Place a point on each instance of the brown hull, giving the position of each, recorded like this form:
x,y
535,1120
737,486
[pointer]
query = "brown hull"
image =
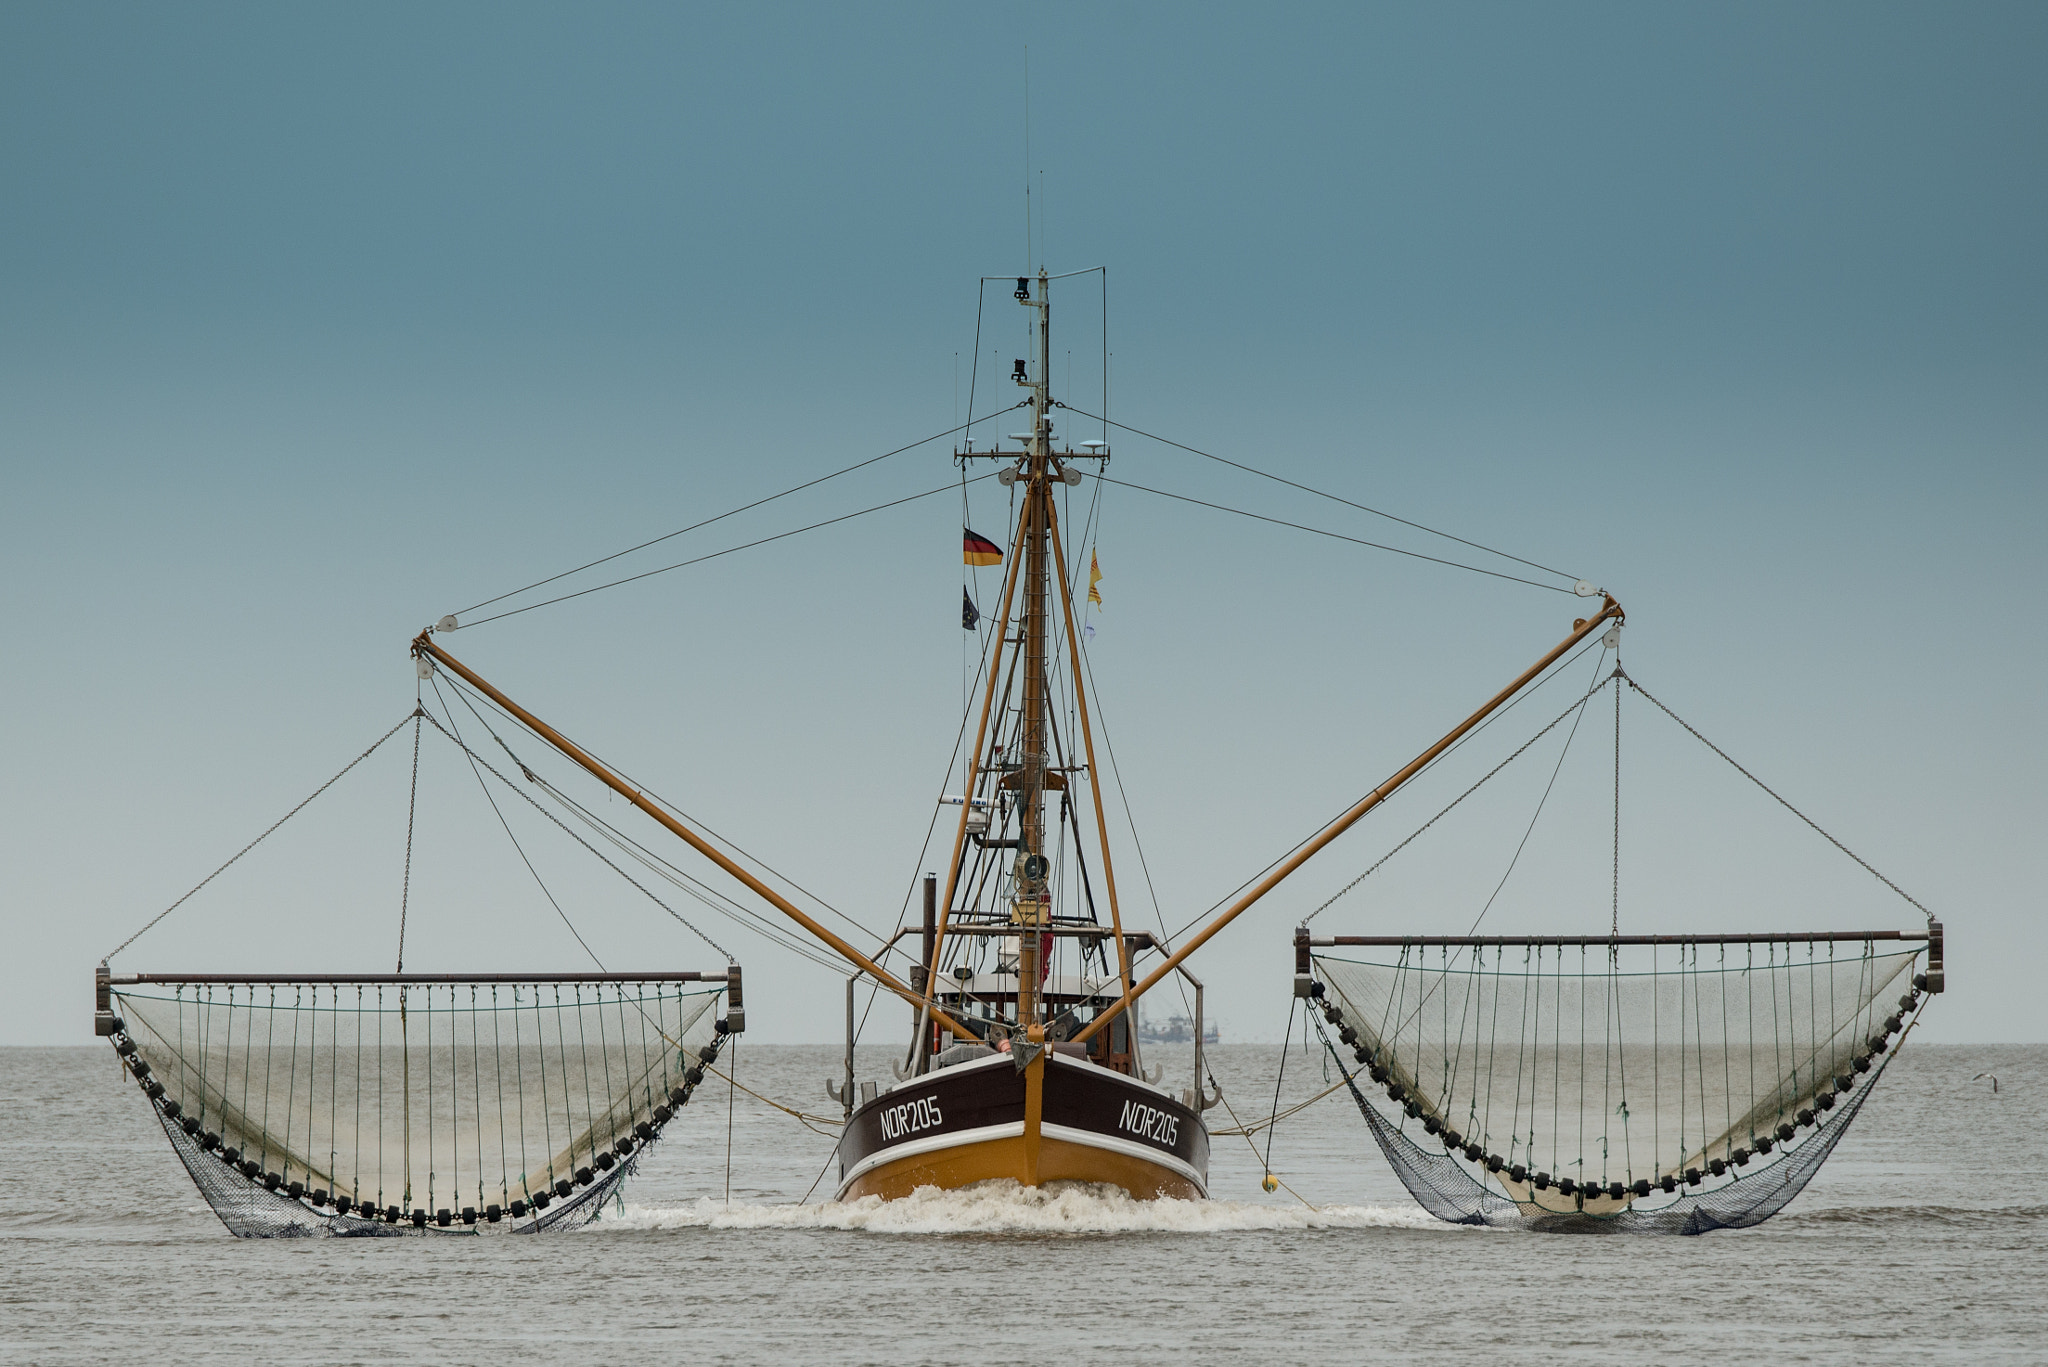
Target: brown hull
x,y
1057,1121
991,1160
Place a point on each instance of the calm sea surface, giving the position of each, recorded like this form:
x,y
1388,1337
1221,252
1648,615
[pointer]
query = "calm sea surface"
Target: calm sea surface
x,y
1925,1238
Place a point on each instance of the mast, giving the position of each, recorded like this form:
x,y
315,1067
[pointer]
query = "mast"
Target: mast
x,y
1031,906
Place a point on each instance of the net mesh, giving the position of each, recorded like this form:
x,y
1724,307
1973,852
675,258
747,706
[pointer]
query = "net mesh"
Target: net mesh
x,y
1560,1083
337,1108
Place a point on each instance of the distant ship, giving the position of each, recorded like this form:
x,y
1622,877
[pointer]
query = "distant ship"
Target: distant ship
x,y
1177,1030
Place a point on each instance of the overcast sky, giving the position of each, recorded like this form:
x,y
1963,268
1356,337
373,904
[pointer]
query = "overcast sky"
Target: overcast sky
x,y
321,321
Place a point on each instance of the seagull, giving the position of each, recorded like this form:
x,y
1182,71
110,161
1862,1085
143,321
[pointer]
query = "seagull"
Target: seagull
x,y
1994,1081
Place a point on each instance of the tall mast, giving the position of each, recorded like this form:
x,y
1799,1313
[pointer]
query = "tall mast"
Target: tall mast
x,y
1031,907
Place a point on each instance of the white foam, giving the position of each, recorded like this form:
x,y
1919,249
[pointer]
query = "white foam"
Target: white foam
x,y
1009,1208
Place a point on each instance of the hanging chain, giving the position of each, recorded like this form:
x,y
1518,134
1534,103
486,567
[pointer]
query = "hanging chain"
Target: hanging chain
x,y
412,803
1615,929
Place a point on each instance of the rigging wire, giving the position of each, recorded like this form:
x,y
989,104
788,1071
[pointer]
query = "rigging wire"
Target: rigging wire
x,y
1780,801
1131,821
648,792
1297,1108
667,536
1238,1127
1336,536
1320,493
473,763
1615,928
1577,706
1286,1041
1469,736
599,855
1579,711
959,740
536,779
258,840
661,868
713,555
709,898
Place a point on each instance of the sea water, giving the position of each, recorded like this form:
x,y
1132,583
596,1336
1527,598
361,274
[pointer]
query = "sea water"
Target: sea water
x,y
1924,1238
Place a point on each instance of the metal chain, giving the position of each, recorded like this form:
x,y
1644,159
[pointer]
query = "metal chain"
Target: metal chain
x,y
412,803
257,841
1780,801
1615,929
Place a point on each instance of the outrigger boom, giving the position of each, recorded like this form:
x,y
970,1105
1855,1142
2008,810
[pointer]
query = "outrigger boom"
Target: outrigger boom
x,y
423,645
1581,629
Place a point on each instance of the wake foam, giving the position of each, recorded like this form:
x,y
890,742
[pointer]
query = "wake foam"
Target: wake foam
x,y
1006,1207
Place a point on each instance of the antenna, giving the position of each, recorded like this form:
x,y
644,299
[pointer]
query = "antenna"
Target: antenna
x,y
1027,158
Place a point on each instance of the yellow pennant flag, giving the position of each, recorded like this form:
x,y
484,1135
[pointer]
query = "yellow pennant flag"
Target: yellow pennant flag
x,y
1094,578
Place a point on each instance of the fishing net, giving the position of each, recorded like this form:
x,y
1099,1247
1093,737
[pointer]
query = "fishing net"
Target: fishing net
x,y
367,1107
1616,1085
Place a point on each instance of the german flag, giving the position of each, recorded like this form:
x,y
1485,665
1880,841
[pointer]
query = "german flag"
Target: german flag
x,y
977,549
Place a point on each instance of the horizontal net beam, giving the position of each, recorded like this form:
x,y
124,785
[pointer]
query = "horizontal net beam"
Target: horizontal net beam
x,y
402,979
1795,938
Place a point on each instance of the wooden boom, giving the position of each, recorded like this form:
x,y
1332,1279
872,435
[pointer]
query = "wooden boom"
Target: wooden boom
x,y
423,644
1580,630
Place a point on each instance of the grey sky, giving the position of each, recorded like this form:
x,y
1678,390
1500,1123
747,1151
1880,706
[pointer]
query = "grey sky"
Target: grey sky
x,y
320,322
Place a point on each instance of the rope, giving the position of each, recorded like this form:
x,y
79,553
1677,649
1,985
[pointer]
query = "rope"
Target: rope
x,y
1286,1041
1780,801
1240,1129
1321,493
258,840
700,559
807,1117
1277,1116
731,1093
1335,536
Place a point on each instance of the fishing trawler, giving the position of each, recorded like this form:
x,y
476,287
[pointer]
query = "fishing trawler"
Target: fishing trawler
x,y
1175,1029
1023,1062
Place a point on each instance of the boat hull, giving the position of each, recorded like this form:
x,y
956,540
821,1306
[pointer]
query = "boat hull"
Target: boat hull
x,y
1059,1120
